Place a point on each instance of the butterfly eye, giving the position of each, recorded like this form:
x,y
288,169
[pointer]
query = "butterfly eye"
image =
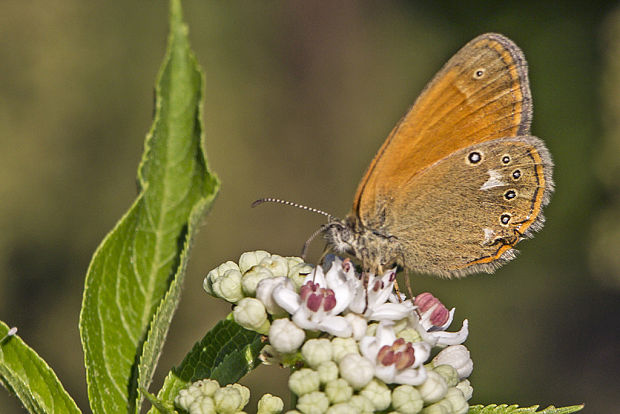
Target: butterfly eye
x,y
516,174
510,194
504,219
479,73
474,157
506,159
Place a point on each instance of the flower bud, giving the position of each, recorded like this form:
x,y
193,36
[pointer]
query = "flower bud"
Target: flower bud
x,y
270,404
362,404
250,313
303,381
250,259
448,373
458,357
409,335
341,408
285,336
342,347
328,371
228,400
214,274
252,277
441,407
203,405
297,273
277,264
317,351
356,370
228,286
264,293
314,402
378,393
466,389
434,388
407,400
338,391
457,401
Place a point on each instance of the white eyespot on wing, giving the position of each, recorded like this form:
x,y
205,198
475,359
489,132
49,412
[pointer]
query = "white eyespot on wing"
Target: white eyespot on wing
x,y
495,180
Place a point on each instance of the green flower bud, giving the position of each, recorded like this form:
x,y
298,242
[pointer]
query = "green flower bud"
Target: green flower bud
x,y
277,264
466,389
297,273
203,405
434,388
252,277
313,403
228,286
409,335
250,313
338,391
457,401
363,404
293,261
356,370
441,407
448,373
304,381
342,408
195,392
407,400
228,400
378,393
328,371
342,347
270,404
214,274
317,351
244,391
250,259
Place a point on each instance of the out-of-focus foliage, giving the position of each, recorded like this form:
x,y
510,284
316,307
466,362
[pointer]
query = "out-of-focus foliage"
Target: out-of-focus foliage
x,y
605,245
299,96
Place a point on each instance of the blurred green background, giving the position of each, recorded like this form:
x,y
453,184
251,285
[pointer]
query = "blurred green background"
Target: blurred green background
x,y
299,96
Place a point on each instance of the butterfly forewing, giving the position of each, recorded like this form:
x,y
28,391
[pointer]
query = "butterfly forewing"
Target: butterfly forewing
x,y
482,93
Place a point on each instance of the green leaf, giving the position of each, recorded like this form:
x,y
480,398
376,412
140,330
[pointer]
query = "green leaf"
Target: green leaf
x,y
26,374
226,353
514,409
134,279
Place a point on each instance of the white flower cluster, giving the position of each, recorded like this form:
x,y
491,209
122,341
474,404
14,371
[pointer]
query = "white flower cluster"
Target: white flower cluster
x,y
207,397
375,344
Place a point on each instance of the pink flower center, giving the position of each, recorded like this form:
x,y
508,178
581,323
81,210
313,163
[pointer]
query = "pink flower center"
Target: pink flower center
x,y
317,297
439,314
400,354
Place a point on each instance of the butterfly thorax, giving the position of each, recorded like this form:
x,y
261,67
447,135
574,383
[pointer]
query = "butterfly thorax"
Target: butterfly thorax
x,y
376,251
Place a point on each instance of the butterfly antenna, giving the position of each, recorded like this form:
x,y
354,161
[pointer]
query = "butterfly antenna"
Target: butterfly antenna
x,y
290,203
304,250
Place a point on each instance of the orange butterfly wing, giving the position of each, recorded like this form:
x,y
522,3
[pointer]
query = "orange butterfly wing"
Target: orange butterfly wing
x,y
481,93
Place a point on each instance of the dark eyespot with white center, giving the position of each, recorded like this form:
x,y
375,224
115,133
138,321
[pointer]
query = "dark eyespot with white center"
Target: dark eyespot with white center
x,y
479,73
516,174
506,159
474,157
504,219
510,194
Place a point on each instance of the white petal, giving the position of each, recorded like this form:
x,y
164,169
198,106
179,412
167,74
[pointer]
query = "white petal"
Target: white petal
x,y
452,338
390,311
411,376
337,326
287,298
